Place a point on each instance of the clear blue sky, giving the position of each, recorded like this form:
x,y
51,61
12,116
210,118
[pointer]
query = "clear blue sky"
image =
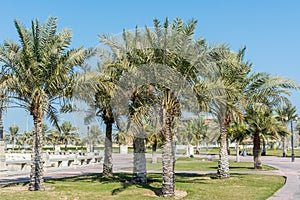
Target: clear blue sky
x,y
270,29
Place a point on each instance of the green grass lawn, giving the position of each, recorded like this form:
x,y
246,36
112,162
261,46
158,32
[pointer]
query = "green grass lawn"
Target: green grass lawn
x,y
201,164
119,187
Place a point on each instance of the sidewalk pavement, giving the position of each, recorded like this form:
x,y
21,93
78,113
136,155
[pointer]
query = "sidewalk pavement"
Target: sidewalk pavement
x,y
290,170
286,168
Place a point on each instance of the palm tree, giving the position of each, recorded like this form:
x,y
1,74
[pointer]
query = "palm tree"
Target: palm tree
x,y
195,131
285,113
262,122
96,89
170,45
68,134
13,132
167,45
27,139
229,73
238,134
42,73
264,93
8,56
53,137
95,136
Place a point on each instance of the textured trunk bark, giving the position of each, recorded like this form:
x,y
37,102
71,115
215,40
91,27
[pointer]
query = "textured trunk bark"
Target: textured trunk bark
x,y
223,163
37,168
264,150
66,147
1,126
228,142
107,164
168,159
284,152
237,151
139,160
257,152
154,156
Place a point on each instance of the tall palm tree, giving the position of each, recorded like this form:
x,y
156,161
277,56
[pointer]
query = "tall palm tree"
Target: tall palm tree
x,y
96,88
41,75
13,133
167,45
229,73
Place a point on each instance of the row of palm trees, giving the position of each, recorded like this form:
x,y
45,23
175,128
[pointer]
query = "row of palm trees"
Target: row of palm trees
x,y
65,134
145,77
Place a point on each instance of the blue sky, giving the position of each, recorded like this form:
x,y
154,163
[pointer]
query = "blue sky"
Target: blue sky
x,y
270,29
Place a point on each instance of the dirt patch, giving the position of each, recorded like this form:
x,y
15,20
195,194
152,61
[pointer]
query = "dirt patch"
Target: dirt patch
x,y
179,194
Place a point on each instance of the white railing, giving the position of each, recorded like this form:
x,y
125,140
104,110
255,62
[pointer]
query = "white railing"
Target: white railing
x,y
52,160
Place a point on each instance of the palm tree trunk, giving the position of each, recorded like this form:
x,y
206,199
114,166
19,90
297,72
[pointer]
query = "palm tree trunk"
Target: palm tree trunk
x,y
154,156
284,154
257,152
13,144
107,164
37,168
139,168
223,163
1,126
228,148
264,151
66,146
237,151
168,159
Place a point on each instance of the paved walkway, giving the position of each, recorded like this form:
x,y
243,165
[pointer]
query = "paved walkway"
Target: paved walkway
x,y
291,170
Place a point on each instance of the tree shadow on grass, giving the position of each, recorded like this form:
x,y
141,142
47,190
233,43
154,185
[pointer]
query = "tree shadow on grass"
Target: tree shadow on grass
x,y
96,177
125,186
127,183
194,178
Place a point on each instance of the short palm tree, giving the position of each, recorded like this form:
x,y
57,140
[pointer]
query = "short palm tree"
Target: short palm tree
x,y
53,137
42,74
261,123
264,93
13,133
95,136
68,134
285,113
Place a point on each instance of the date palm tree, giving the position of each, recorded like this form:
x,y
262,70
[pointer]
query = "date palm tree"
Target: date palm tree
x,y
53,137
229,73
261,122
172,45
13,134
42,74
166,45
285,113
96,89
68,134
264,93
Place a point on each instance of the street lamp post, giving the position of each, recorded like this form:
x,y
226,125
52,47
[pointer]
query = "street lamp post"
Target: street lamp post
x,y
292,136
292,141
